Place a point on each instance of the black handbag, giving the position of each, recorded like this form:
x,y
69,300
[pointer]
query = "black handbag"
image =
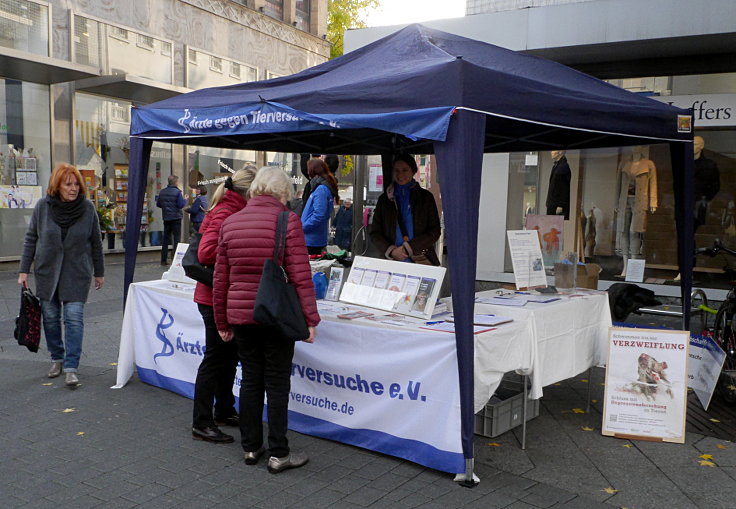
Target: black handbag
x,y
192,267
28,323
277,303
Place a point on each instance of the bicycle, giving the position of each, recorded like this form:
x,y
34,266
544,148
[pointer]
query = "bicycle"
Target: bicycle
x,y
724,329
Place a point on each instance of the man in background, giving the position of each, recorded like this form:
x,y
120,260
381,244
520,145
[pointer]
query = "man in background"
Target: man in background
x,y
171,201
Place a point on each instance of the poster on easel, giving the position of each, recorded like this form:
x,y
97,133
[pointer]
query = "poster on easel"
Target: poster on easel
x,y
551,233
406,288
646,384
526,259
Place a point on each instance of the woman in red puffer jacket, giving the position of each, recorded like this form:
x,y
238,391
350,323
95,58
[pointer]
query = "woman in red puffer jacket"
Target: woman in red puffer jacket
x,y
247,240
214,383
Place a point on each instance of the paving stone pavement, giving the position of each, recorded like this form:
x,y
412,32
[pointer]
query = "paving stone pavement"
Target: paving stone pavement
x,y
97,447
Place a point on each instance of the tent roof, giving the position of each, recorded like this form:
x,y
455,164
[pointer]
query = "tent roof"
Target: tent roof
x,y
383,96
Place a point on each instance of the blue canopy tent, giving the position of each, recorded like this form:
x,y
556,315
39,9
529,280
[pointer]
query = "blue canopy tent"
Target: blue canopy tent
x,y
424,91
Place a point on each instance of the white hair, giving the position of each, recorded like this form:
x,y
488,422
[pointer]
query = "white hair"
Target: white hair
x,y
273,181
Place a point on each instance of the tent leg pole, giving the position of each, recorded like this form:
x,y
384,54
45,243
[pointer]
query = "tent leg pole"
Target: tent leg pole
x,y
468,480
587,408
523,415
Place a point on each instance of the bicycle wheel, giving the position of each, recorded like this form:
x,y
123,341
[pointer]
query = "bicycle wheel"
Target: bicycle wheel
x,y
725,336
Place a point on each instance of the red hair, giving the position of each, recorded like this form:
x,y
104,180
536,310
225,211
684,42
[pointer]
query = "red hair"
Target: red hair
x,y
59,175
317,167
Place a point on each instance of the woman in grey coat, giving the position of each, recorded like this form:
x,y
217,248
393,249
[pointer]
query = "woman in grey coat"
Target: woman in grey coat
x,y
64,243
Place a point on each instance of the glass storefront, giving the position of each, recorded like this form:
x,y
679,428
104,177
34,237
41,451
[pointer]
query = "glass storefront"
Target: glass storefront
x,y
620,202
25,158
621,206
102,147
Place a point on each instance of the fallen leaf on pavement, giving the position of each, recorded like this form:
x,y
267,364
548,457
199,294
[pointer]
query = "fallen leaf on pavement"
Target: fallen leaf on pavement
x,y
494,444
706,463
47,384
586,428
578,411
113,364
628,446
584,380
80,433
720,446
714,420
706,456
68,410
610,491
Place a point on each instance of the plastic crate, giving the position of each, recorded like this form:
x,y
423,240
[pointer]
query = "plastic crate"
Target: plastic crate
x,y
504,410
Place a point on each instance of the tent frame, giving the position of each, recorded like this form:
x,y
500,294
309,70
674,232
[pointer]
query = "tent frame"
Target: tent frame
x,y
470,133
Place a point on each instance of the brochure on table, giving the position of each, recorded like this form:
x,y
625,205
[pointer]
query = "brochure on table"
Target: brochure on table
x,y
526,258
405,288
176,271
646,384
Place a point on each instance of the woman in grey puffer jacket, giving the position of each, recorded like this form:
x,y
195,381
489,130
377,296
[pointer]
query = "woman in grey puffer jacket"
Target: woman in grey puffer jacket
x,y
63,242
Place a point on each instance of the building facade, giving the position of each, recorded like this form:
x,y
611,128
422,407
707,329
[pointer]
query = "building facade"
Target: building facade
x,y
677,51
70,70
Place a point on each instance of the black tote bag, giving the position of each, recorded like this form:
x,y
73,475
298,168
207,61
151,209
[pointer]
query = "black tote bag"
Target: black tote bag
x,y
28,323
192,267
277,303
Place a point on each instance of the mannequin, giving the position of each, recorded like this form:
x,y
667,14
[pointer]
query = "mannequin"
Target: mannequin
x,y
591,231
558,193
637,196
707,181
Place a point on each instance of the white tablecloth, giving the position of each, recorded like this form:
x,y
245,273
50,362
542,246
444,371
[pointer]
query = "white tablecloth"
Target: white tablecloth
x,y
399,384
568,336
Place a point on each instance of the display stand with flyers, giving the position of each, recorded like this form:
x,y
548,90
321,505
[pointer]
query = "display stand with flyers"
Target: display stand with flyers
x,y
406,288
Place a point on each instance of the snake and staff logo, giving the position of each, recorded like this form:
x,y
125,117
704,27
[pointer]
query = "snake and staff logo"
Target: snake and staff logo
x,y
167,350
183,120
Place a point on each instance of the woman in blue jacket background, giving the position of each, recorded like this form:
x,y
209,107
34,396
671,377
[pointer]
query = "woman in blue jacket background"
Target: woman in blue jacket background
x,y
319,206
197,209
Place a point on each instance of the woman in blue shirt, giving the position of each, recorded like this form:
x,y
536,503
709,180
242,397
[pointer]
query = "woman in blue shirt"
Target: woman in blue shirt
x,y
197,209
319,206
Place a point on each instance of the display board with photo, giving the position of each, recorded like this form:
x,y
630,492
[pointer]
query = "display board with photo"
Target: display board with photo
x,y
405,288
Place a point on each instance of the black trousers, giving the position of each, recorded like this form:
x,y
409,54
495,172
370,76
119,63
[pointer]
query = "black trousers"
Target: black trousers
x,y
265,357
171,227
315,250
214,383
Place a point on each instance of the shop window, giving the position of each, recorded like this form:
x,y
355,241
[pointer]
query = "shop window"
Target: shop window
x,y
271,75
216,64
210,166
102,148
235,70
274,8
303,14
25,158
251,74
24,26
118,33
119,112
108,47
219,72
145,41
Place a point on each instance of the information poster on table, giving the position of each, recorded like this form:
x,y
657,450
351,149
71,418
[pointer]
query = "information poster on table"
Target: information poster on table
x,y
526,258
407,288
646,384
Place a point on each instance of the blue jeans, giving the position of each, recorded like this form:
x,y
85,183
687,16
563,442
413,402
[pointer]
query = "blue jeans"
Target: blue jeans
x,y
73,331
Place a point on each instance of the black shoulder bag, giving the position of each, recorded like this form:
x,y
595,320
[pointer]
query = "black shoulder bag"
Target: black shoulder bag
x,y
28,322
192,267
277,303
